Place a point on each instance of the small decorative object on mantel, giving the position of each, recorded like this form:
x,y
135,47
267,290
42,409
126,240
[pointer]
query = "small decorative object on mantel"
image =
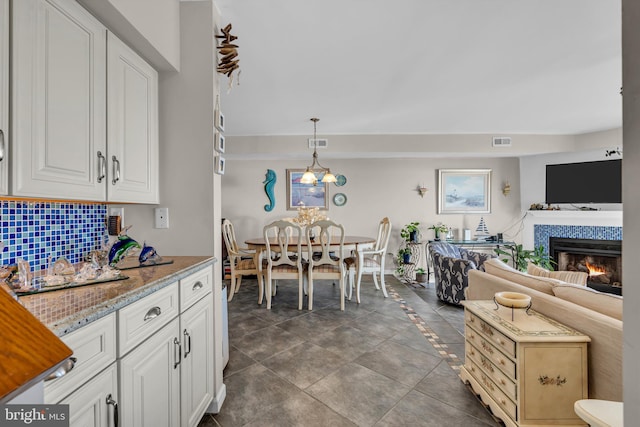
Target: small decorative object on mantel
x,y
269,182
422,190
229,51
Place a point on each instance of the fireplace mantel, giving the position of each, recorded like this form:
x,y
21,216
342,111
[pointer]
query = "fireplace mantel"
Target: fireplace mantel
x,y
567,218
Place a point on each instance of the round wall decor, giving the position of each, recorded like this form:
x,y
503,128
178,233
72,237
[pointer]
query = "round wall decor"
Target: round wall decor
x,y
341,180
339,199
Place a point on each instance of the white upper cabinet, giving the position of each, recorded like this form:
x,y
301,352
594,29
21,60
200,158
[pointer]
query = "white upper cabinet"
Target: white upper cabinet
x,y
132,126
4,97
59,101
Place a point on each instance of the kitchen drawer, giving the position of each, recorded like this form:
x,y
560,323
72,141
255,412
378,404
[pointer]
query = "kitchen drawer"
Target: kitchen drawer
x,y
194,287
497,338
94,347
482,344
138,321
496,394
497,376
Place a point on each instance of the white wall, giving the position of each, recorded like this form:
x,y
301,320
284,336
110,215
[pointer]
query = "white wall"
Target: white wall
x,y
375,188
631,199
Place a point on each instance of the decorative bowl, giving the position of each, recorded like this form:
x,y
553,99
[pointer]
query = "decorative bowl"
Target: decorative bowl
x,y
512,299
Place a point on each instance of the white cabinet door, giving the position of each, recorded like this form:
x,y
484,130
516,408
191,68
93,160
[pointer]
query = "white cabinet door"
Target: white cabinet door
x,y
94,404
132,111
59,101
150,380
197,362
4,97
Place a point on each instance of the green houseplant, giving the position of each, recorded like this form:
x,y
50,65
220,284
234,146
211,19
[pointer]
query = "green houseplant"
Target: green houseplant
x,y
521,257
403,256
421,275
410,232
439,228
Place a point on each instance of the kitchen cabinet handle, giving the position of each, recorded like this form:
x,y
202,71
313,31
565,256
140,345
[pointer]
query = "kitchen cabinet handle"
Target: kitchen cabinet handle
x,y
197,285
187,343
1,145
152,313
176,341
102,166
62,370
116,170
110,401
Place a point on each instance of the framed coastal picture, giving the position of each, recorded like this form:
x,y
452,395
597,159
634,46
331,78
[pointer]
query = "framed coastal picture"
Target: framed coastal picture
x,y
464,191
305,195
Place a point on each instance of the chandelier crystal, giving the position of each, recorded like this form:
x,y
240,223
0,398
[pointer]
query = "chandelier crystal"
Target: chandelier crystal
x,y
309,176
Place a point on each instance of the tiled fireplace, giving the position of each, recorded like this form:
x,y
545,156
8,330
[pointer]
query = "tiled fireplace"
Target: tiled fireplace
x,y
582,241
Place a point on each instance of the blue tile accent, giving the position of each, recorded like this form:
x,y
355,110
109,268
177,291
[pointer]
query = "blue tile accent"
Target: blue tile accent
x,y
36,230
542,232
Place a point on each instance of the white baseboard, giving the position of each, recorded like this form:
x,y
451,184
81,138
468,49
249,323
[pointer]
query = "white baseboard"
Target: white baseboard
x,y
217,402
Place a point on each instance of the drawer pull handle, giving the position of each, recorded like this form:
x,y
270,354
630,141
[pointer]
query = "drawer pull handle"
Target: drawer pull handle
x,y
111,401
504,402
62,370
116,170
176,342
197,285
503,382
102,166
502,362
152,313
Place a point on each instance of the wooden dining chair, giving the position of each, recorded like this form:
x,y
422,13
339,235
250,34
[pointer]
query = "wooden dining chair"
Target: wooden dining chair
x,y
283,258
241,261
370,260
325,253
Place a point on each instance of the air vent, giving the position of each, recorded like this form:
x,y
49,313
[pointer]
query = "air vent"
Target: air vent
x,y
501,141
318,143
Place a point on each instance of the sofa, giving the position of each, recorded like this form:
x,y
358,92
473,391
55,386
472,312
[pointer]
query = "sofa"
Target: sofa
x,y
451,266
593,313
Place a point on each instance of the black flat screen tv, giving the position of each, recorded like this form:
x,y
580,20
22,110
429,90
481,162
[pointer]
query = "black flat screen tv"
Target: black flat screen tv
x,y
585,182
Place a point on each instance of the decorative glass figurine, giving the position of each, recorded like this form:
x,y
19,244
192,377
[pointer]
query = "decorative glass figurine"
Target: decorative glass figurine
x,y
121,247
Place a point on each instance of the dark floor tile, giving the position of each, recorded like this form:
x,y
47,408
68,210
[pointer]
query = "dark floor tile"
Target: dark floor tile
x,y
241,326
414,339
445,332
237,361
419,410
358,393
399,362
311,323
266,342
379,324
347,341
250,393
300,410
305,364
449,389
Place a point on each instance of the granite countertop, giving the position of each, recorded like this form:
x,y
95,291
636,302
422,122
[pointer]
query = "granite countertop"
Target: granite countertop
x,y
66,310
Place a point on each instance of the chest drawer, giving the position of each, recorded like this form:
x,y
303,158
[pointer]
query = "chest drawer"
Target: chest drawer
x,y
194,287
94,348
506,383
498,396
141,319
482,345
505,344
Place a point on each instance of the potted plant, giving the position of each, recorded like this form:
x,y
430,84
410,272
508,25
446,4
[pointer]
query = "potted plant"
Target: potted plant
x,y
421,275
439,228
521,257
410,232
404,254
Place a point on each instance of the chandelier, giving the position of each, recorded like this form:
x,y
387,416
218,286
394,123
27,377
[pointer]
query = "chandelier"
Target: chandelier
x,y
310,176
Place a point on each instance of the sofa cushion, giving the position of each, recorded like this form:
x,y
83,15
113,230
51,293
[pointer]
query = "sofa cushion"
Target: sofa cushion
x,y
607,304
500,269
576,277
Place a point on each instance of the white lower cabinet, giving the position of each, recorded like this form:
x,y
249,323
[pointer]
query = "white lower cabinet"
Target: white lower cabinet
x,y
150,380
95,404
196,382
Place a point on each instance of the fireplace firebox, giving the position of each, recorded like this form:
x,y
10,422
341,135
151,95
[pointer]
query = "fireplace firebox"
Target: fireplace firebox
x,y
601,259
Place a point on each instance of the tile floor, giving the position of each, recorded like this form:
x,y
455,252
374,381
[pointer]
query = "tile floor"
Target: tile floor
x,y
385,362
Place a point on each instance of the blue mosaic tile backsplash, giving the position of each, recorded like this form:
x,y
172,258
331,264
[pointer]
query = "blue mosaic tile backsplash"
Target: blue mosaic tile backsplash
x,y
36,230
542,232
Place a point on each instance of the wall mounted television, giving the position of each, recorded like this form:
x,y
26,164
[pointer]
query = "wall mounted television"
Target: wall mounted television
x,y
584,182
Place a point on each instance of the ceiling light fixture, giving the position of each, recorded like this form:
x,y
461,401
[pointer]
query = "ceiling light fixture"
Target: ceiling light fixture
x,y
309,176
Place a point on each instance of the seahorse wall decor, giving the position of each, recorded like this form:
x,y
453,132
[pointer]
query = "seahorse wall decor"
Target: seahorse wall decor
x,y
269,182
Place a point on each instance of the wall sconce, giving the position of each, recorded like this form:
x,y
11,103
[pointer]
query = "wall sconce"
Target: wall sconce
x,y
422,190
506,189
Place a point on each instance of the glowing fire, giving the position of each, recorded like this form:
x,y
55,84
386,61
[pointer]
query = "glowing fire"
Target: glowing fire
x,y
595,270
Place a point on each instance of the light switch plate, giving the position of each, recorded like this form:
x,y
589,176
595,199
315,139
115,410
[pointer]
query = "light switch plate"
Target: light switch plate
x,y
162,217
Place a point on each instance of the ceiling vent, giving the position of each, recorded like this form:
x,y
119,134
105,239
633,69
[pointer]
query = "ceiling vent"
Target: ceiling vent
x,y
501,141
318,143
